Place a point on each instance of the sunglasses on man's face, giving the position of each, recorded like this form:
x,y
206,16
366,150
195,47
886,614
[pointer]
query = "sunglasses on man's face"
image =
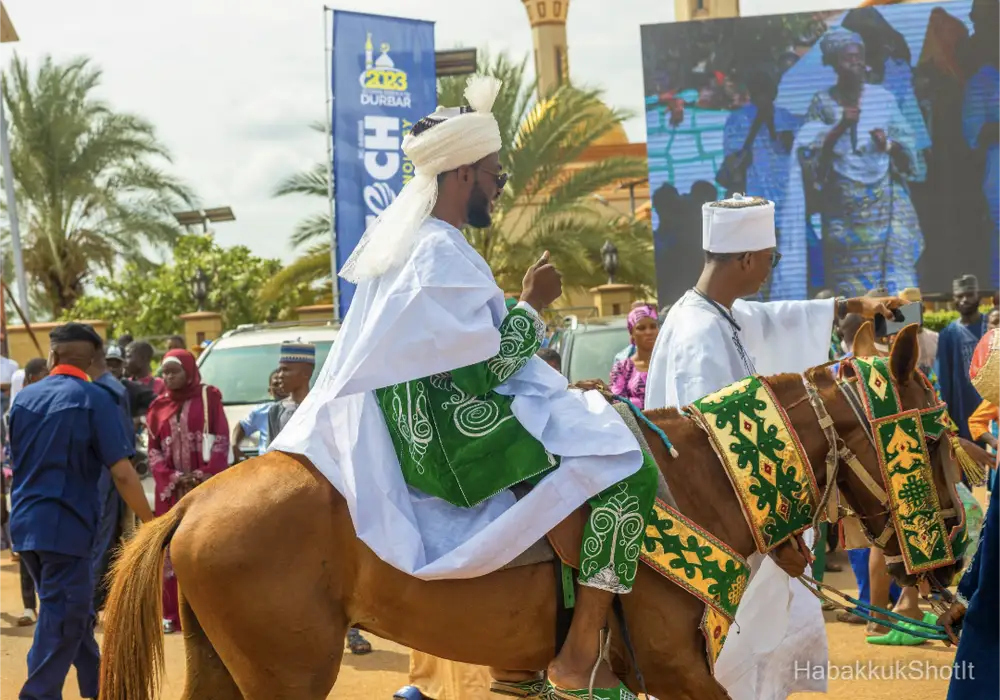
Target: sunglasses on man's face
x,y
500,178
775,258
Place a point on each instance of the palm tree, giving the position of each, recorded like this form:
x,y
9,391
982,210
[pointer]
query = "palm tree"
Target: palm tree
x,y
89,184
313,231
548,203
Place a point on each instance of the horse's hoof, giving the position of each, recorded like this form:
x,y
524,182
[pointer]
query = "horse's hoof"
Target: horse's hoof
x,y
410,692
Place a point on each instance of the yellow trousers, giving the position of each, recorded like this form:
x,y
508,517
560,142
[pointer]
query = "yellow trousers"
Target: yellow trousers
x,y
449,680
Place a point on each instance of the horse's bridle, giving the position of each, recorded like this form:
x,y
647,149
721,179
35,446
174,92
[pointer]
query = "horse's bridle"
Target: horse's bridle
x,y
839,453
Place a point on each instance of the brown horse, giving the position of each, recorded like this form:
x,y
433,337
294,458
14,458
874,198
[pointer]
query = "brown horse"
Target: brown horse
x,y
273,575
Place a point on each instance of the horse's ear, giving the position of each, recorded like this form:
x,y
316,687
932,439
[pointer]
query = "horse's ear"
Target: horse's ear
x,y
864,341
904,355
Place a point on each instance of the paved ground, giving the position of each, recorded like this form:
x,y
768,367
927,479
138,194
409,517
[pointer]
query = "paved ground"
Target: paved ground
x,y
379,674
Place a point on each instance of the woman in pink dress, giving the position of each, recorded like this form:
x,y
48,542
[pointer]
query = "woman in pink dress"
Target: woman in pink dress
x,y
188,443
628,375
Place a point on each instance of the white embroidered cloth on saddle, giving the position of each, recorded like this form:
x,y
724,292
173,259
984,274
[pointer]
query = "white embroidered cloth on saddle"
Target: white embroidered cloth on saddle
x,y
779,623
437,312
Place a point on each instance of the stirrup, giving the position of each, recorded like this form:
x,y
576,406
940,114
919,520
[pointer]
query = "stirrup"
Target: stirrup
x,y
535,688
618,693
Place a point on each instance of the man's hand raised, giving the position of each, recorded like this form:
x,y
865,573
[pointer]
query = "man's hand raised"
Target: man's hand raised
x,y
870,307
542,284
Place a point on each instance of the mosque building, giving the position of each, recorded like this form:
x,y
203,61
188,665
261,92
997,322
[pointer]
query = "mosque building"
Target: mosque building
x,y
551,57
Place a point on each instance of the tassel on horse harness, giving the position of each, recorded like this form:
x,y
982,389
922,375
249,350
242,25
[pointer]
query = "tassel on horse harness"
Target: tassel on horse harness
x,y
973,470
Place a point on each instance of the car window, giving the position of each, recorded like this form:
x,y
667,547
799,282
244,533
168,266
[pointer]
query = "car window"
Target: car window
x,y
241,374
593,352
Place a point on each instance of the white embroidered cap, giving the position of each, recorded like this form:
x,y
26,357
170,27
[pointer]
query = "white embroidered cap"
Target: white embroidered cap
x,y
738,225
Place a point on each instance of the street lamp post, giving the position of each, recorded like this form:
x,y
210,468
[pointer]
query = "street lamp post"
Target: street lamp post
x,y
199,217
609,260
199,288
454,62
9,34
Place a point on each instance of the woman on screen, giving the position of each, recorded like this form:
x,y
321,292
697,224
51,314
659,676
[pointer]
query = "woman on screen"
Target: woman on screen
x,y
854,156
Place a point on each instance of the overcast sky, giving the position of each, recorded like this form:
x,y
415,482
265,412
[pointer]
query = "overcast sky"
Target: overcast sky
x,y
232,85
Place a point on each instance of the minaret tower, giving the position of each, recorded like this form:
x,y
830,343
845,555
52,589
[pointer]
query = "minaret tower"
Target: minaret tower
x,y
548,33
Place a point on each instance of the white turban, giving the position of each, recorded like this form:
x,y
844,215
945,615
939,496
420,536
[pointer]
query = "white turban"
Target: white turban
x,y
738,225
460,137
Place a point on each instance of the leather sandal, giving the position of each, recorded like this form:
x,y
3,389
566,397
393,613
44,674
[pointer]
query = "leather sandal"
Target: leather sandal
x,y
535,688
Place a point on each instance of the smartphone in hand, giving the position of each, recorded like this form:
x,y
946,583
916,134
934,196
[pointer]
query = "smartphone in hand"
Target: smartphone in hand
x,y
905,315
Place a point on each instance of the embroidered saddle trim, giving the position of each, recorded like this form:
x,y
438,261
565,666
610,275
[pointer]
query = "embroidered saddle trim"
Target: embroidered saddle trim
x,y
700,563
763,457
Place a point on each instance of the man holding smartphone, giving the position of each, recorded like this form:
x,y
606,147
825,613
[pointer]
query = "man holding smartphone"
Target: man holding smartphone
x,y
712,338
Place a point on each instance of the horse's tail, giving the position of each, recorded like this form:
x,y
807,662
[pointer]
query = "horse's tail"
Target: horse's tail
x,y
132,657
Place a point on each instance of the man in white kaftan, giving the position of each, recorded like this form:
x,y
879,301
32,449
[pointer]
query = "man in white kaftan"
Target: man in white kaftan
x,y
427,310
710,339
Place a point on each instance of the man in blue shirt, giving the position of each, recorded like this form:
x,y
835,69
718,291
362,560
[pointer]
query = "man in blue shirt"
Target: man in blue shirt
x,y
61,441
256,421
112,506
956,343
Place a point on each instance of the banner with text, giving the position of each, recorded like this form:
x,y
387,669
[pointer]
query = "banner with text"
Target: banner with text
x,y
383,81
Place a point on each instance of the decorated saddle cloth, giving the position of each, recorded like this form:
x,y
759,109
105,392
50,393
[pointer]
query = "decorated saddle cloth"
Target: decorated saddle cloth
x,y
675,547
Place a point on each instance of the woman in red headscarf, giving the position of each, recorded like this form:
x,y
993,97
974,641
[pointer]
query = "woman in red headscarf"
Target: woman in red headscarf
x,y
188,443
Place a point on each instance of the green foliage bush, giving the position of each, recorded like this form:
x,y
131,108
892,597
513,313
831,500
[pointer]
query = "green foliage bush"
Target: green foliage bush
x,y
937,320
147,302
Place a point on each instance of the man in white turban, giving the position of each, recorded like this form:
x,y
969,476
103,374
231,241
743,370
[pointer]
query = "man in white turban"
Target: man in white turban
x,y
432,404
710,339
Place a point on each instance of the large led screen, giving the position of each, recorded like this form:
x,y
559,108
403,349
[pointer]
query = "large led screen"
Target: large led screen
x,y
874,131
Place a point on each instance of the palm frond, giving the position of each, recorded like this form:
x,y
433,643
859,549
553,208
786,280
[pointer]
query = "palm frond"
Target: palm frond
x,y
88,181
313,265
313,228
310,182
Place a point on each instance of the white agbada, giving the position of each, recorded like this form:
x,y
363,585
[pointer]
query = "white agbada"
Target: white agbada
x,y
779,623
440,311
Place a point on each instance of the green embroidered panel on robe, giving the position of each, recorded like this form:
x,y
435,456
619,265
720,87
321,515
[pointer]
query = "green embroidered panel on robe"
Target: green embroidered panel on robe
x,y
455,437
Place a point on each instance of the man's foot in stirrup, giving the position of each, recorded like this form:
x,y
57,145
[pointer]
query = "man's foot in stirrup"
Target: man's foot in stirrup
x,y
574,667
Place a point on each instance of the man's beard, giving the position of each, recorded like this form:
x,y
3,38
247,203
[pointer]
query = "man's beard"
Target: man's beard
x,y
477,211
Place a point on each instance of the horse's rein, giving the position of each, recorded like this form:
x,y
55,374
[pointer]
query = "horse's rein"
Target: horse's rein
x,y
839,452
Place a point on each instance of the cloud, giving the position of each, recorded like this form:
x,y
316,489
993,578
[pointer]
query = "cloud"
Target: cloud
x,y
232,85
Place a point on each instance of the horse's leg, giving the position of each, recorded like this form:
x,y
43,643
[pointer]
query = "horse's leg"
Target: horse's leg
x,y
663,621
285,654
266,577
206,676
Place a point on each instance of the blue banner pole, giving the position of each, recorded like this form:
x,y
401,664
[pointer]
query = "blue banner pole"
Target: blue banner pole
x,y
383,80
327,42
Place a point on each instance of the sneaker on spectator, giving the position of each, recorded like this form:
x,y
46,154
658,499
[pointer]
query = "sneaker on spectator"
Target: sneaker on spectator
x,y
28,618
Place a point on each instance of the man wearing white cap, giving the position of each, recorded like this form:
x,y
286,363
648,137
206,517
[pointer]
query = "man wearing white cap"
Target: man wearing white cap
x,y
432,404
712,338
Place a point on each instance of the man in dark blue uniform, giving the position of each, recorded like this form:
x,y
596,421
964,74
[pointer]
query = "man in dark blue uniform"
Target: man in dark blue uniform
x,y
113,508
61,441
